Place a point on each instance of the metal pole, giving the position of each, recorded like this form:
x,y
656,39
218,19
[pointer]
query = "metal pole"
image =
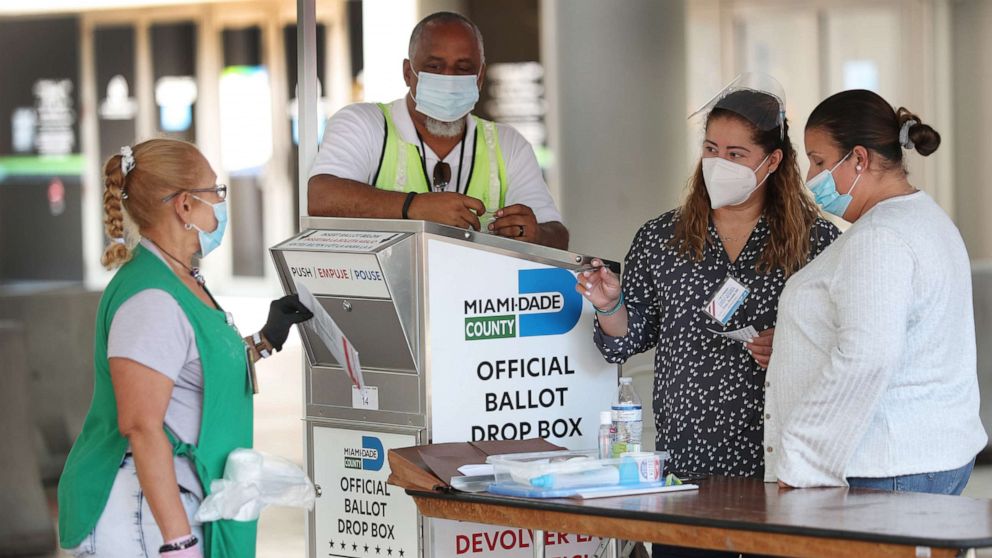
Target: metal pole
x,y
606,548
538,543
306,98
306,92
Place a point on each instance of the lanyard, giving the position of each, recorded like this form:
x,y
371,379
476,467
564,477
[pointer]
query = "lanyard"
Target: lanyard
x,y
461,160
195,274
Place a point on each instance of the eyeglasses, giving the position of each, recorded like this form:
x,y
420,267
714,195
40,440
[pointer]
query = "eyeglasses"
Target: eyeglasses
x,y
442,176
219,189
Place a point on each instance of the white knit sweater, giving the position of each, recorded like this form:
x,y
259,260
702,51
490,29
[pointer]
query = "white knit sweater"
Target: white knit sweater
x,y
873,363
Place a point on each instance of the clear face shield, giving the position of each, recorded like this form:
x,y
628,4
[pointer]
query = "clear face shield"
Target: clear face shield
x,y
755,96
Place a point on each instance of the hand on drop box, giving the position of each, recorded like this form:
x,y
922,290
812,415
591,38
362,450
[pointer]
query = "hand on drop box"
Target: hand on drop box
x,y
516,221
600,285
447,208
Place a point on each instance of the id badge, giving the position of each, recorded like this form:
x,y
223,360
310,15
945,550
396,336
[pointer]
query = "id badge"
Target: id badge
x,y
252,377
729,296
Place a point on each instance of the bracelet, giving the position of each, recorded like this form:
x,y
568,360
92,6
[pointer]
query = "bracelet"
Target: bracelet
x,y
180,545
406,204
613,310
256,338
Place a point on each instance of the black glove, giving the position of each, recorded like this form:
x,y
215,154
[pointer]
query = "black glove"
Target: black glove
x,y
283,313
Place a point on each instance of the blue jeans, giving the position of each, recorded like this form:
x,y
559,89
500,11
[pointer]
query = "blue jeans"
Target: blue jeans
x,y
126,528
940,482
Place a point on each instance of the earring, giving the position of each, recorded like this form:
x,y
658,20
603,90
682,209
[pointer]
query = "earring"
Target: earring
x,y
188,226
858,168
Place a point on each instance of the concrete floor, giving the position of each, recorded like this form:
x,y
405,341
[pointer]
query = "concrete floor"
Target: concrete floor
x,y
279,430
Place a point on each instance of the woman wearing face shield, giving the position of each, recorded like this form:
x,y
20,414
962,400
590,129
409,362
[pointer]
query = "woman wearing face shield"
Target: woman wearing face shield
x,y
174,378
745,227
874,379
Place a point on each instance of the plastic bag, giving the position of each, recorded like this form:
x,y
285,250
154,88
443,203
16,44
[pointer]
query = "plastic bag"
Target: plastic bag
x,y
253,480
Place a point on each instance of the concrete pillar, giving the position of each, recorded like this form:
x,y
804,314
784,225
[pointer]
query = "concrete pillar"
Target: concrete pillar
x,y
57,340
385,42
981,282
616,89
616,78
972,88
25,526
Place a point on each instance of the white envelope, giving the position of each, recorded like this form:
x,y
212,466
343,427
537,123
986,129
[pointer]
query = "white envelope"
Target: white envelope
x,y
333,338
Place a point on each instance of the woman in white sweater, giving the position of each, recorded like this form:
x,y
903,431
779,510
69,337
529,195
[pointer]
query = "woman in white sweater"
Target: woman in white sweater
x,y
873,382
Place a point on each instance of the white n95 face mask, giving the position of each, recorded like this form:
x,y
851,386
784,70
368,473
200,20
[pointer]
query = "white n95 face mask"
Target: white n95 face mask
x,y
730,183
446,98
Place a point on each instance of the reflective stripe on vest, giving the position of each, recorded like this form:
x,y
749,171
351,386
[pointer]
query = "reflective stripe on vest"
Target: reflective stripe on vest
x,y
400,169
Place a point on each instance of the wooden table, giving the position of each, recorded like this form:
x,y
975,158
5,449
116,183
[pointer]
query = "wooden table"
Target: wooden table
x,y
746,515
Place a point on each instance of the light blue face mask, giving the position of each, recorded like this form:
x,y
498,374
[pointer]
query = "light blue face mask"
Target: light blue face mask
x,y
446,98
825,190
211,240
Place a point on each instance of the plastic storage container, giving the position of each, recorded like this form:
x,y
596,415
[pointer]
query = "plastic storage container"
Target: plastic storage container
x,y
557,474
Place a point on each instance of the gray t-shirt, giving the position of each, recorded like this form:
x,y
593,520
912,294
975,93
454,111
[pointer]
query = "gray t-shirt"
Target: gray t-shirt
x,y
151,329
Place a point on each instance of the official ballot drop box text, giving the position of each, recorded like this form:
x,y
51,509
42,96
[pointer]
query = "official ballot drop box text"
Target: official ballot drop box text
x,y
462,336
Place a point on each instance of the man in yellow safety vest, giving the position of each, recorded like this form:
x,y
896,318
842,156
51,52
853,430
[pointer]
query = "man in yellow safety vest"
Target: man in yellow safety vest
x,y
425,156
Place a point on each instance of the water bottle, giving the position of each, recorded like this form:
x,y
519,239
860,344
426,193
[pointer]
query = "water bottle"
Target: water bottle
x,y
606,434
627,419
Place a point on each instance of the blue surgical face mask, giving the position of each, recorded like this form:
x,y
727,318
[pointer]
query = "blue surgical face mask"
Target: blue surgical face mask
x,y
730,183
446,98
825,190
211,240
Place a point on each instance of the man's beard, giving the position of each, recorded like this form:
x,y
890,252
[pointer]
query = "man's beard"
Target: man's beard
x,y
442,129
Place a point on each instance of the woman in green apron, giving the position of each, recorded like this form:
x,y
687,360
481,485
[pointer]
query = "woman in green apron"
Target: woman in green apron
x,y
174,378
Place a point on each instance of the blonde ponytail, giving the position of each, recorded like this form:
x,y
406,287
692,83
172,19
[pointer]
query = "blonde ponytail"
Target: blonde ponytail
x,y
117,252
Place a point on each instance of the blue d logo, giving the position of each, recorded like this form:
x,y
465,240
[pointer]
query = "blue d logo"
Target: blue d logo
x,y
555,280
371,442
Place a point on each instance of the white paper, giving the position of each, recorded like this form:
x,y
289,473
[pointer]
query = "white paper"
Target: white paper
x,y
743,335
365,398
485,219
473,470
621,491
333,338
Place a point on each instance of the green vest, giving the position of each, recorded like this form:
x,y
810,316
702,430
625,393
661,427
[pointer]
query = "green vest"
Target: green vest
x,y
401,169
226,423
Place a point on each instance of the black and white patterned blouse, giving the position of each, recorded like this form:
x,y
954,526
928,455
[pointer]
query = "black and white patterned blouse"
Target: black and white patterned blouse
x,y
708,391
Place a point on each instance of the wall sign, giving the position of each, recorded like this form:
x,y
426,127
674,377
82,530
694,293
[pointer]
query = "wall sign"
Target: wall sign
x,y
338,274
511,357
358,514
341,241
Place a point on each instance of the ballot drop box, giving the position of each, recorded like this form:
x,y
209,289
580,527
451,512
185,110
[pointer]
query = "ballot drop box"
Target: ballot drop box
x,y
460,336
